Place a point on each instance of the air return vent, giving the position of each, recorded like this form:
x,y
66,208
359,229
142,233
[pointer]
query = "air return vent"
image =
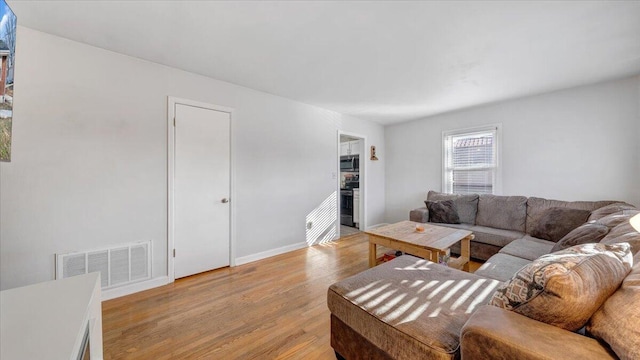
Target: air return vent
x,y
118,265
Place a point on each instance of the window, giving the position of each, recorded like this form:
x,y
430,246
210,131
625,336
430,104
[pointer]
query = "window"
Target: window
x,y
470,164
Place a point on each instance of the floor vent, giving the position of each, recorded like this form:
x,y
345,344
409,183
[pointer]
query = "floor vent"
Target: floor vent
x,y
118,265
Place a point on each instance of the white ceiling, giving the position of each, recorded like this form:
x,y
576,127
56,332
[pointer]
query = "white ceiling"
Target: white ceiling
x,y
383,61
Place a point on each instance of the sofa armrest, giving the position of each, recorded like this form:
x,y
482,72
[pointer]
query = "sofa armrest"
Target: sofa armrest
x,y
495,333
420,215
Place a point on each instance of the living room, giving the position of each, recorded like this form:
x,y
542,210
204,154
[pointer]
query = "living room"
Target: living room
x,y
89,164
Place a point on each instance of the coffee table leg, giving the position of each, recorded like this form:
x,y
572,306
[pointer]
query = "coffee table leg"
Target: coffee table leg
x,y
434,256
465,251
372,254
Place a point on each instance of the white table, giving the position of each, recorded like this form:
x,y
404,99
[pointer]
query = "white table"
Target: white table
x,y
49,320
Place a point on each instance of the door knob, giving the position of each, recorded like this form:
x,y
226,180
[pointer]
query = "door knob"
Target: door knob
x,y
224,200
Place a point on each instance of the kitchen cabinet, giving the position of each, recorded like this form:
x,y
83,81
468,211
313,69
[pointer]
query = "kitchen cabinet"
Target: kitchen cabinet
x,y
344,149
350,148
354,146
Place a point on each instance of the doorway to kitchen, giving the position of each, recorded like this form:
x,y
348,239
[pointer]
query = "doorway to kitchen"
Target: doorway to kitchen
x,y
351,183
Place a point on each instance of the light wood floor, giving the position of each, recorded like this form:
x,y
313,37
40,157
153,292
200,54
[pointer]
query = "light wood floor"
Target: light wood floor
x,y
269,309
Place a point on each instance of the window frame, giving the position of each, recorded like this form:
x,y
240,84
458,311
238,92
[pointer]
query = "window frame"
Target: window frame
x,y
497,143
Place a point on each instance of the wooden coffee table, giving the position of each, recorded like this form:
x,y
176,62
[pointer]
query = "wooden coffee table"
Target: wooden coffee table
x,y
434,241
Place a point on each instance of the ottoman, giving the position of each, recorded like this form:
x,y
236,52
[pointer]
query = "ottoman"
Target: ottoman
x,y
407,308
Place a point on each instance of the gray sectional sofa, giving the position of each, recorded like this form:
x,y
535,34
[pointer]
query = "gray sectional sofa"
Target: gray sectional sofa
x,y
496,221
410,308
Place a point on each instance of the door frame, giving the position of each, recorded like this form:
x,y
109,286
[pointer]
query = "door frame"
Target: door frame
x,y
171,110
363,184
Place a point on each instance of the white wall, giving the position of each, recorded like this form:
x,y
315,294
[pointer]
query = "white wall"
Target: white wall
x,y
89,162
576,144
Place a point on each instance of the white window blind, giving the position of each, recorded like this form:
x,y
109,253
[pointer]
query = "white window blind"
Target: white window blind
x,y
471,161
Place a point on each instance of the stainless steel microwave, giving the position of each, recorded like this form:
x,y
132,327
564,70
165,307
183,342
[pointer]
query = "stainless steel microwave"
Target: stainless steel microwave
x,y
350,163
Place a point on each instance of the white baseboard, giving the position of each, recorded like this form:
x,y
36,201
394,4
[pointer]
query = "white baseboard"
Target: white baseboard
x,y
164,280
134,288
376,225
270,253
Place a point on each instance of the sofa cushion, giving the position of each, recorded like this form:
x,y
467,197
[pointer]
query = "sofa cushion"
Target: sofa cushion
x,y
528,248
624,232
420,215
537,206
409,307
616,219
493,236
556,222
566,288
616,322
502,212
467,205
615,208
591,232
442,211
501,266
487,241
493,333
462,226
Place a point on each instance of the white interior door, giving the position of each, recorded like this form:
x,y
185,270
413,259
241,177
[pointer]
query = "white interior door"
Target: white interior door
x,y
201,189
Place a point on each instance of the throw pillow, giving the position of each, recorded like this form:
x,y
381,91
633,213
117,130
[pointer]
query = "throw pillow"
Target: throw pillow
x,y
591,232
615,208
567,287
444,212
616,322
467,205
556,222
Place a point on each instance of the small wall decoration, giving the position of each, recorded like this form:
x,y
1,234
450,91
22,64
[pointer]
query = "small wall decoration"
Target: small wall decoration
x,y
373,153
7,54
